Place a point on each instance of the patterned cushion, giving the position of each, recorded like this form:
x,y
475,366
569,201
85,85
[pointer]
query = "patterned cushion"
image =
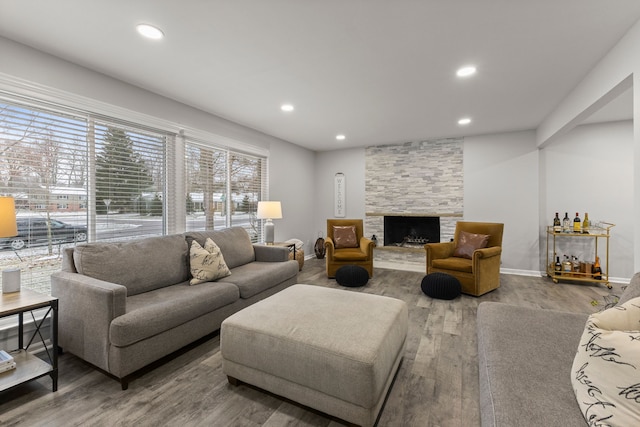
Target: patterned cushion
x,y
207,264
606,369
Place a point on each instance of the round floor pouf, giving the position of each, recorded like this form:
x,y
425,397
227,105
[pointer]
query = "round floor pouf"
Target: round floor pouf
x,y
441,286
352,276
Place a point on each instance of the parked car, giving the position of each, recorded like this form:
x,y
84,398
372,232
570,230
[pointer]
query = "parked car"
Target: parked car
x,y
33,231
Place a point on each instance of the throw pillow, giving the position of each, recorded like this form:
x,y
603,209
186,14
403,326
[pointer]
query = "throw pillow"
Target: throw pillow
x,y
207,264
468,243
606,369
344,236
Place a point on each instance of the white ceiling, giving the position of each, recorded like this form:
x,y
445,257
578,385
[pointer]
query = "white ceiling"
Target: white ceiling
x,y
379,71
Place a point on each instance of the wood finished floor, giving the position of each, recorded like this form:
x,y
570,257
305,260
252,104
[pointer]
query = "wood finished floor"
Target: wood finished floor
x,y
436,385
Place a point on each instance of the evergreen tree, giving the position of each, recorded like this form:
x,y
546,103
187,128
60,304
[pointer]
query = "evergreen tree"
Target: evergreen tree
x,y
121,173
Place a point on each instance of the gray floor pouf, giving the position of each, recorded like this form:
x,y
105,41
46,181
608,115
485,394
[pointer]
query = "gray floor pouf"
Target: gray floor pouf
x,y
441,286
352,276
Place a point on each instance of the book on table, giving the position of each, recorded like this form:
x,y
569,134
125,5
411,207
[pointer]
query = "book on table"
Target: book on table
x,y
7,367
5,358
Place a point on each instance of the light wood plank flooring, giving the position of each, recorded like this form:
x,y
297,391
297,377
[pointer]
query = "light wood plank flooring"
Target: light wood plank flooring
x,y
437,383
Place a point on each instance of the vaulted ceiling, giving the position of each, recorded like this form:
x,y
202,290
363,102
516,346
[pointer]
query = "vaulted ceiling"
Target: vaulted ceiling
x,y
377,71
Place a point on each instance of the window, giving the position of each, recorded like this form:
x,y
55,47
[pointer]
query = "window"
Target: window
x,y
223,188
87,176
52,154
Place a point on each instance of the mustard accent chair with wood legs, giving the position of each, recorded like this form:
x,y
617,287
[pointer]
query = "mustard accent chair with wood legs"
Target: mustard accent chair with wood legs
x,y
478,275
361,255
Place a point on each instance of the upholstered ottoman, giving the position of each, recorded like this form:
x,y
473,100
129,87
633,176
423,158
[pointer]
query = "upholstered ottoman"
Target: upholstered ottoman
x,y
336,351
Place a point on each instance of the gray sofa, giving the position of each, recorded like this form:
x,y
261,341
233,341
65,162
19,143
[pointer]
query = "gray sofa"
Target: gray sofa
x,y
525,356
124,305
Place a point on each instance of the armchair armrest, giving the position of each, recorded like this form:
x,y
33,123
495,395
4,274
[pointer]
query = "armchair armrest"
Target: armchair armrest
x,y
329,247
487,252
87,307
265,253
439,250
366,246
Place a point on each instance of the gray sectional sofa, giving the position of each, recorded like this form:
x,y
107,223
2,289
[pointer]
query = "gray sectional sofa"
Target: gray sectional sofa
x,y
525,357
124,305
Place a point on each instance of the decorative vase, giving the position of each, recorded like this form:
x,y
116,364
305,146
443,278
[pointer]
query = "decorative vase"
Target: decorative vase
x,y
319,248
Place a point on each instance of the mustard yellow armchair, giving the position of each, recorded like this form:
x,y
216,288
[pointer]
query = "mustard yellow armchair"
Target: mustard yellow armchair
x,y
359,250
480,272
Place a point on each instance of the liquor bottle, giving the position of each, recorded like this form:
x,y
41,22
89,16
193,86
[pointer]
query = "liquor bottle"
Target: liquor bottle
x,y
566,223
577,224
597,270
586,224
566,266
557,266
556,224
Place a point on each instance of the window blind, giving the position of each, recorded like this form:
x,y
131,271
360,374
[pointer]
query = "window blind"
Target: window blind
x,y
75,177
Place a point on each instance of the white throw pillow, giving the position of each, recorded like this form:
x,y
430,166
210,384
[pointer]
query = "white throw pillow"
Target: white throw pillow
x,y
207,264
606,369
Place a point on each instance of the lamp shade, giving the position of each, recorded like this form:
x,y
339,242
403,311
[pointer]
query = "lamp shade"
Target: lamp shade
x,y
269,210
8,225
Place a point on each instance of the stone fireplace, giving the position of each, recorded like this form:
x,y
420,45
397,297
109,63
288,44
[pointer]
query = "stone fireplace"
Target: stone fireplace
x,y
406,183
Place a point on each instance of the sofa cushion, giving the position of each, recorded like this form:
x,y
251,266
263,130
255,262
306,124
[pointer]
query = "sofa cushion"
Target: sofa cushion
x,y
606,369
256,277
207,264
157,311
139,265
632,290
234,243
524,359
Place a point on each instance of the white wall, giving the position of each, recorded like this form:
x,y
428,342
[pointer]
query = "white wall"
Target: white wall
x,y
291,172
501,185
590,169
351,162
614,73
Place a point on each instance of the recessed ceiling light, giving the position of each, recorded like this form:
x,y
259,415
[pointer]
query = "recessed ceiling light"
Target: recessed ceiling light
x,y
464,121
286,107
341,137
466,71
150,31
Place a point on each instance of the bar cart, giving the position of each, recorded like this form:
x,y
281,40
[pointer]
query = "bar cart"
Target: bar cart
x,y
584,274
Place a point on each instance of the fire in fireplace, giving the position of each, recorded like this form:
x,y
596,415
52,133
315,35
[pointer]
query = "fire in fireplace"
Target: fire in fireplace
x,y
411,231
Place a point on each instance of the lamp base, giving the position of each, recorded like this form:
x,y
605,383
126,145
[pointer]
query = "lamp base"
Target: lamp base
x,y
10,280
269,230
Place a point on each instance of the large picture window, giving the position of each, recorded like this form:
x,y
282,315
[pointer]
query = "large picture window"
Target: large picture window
x,y
79,176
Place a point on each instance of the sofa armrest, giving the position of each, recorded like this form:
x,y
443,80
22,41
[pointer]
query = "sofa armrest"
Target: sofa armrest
x,y
87,307
266,253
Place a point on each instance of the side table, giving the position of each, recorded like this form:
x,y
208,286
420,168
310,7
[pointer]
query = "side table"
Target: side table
x,y
294,254
28,366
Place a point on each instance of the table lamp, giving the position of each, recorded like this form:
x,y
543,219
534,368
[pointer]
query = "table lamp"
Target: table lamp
x,y
269,211
9,228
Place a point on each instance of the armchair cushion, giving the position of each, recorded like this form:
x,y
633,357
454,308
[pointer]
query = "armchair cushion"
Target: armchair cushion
x,y
468,243
344,236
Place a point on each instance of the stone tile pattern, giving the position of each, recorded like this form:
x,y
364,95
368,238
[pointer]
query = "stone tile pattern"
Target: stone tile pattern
x,y
423,177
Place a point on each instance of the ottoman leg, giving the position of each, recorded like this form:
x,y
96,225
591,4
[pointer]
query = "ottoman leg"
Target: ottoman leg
x,y
233,381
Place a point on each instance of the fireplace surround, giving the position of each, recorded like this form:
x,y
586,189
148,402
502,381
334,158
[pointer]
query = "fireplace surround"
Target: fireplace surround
x,y
411,231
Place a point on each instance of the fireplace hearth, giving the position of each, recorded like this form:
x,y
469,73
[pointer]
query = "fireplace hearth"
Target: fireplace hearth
x,y
411,231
